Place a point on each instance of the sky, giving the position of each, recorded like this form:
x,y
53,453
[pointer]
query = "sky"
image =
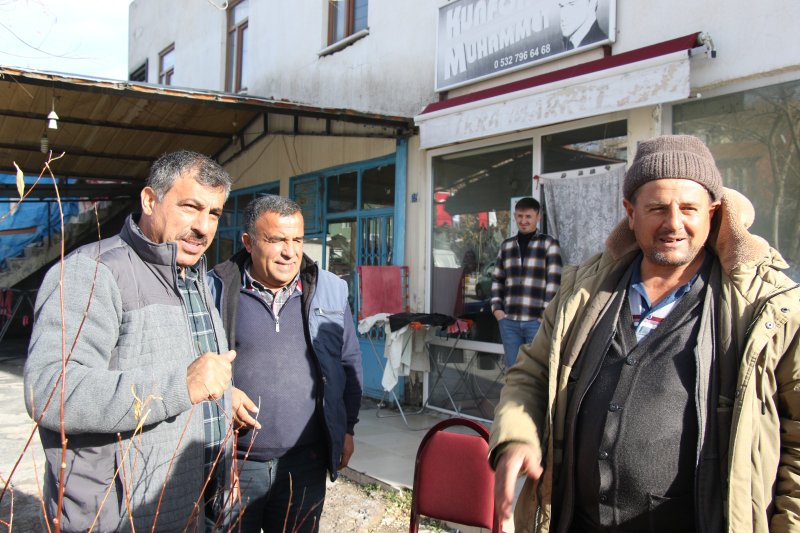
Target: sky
x,y
88,37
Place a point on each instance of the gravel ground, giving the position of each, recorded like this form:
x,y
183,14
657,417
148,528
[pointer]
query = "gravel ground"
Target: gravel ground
x,y
350,508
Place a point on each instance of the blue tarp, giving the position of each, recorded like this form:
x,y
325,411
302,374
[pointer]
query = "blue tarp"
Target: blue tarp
x,y
26,215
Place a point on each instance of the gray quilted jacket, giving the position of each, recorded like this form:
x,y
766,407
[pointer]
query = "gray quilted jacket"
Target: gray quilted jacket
x,y
128,367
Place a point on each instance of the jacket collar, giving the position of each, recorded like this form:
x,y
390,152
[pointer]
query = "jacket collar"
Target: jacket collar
x,y
164,254
729,237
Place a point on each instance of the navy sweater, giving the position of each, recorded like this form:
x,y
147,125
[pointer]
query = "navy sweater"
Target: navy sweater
x,y
276,369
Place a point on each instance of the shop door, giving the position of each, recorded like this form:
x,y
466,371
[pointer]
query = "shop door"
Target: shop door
x,y
363,240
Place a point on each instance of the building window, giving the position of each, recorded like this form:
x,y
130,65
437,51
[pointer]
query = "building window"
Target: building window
x,y
140,74
236,64
228,239
595,146
346,17
349,217
753,136
166,65
473,193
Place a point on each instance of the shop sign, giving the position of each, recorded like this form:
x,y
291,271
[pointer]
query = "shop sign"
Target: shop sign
x,y
649,82
479,39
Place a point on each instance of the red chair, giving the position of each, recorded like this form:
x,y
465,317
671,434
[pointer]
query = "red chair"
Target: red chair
x,y
452,478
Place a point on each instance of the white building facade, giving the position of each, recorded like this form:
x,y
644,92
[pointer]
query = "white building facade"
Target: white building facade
x,y
510,98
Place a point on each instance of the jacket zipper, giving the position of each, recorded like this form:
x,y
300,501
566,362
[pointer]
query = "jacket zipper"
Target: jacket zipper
x,y
321,311
203,288
305,310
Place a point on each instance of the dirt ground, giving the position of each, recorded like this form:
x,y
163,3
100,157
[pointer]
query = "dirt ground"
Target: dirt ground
x,y
350,508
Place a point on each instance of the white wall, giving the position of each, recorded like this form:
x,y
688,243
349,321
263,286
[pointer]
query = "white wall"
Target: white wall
x,y
753,39
196,28
279,157
416,231
390,71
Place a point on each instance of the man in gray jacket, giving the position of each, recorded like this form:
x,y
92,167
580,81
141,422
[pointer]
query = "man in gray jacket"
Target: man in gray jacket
x,y
150,348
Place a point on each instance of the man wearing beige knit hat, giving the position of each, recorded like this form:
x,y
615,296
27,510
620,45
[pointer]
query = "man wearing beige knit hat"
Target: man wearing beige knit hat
x,y
662,392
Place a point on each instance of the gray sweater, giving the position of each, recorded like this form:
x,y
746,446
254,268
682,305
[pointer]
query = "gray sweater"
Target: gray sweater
x,y
135,344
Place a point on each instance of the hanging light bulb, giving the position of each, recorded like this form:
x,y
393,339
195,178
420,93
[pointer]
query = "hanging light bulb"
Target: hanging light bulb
x,y
52,118
45,143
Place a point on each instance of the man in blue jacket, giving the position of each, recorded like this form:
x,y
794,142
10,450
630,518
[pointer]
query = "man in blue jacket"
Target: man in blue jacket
x,y
298,360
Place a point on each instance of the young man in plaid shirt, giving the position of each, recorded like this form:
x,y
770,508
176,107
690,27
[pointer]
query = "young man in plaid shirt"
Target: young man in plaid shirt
x,y
526,276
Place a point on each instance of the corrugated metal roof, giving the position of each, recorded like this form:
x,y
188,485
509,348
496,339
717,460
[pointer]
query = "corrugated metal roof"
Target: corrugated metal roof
x,y
114,130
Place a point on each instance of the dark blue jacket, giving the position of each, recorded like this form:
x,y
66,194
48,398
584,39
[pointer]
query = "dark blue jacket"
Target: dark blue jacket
x,y
330,334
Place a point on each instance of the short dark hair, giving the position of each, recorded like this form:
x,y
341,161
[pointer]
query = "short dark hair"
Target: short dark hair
x,y
170,167
279,205
527,203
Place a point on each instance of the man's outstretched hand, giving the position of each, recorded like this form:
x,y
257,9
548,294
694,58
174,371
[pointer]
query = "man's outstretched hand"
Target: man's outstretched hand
x,y
209,375
241,405
516,460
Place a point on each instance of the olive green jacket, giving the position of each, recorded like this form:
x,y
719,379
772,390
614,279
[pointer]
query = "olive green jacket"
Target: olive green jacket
x,y
758,317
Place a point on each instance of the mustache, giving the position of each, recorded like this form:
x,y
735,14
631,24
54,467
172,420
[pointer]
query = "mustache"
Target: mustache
x,y
192,235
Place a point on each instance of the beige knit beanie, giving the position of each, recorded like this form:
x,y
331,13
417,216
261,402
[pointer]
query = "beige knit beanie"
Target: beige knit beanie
x,y
673,156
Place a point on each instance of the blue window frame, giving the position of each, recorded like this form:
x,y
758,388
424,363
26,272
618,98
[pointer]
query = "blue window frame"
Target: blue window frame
x,y
228,240
355,215
358,193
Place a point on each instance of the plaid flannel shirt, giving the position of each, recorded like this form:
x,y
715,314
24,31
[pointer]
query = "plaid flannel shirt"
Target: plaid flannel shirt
x,y
276,300
203,333
522,287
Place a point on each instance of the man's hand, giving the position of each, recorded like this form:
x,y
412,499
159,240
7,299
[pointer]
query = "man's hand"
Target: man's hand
x,y
347,450
208,376
241,405
499,315
516,460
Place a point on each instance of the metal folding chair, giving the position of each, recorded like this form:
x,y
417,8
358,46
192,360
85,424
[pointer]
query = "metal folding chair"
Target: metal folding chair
x,y
393,280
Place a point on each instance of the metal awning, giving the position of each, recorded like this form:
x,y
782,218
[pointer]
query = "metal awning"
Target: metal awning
x,y
113,130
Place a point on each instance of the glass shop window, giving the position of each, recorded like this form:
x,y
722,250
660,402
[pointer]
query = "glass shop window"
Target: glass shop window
x,y
595,146
754,138
473,191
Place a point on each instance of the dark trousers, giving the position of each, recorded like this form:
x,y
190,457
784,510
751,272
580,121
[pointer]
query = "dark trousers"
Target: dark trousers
x,y
266,492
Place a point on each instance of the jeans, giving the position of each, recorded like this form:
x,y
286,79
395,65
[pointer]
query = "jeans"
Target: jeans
x,y
515,333
267,496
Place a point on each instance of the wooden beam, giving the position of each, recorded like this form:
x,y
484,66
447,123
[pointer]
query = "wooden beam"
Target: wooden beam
x,y
117,125
71,191
76,152
18,231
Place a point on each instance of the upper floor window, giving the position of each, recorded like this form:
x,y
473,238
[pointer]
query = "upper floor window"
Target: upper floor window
x,y
236,68
140,74
346,17
166,65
